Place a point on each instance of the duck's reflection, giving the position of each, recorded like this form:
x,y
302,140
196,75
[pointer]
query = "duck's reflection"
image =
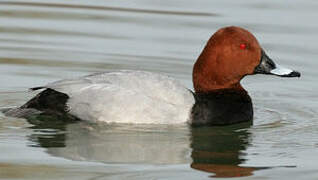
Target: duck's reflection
x,y
148,144
219,150
48,132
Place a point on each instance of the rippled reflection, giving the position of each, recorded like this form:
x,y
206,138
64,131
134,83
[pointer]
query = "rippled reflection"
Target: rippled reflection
x,y
217,150
114,143
220,150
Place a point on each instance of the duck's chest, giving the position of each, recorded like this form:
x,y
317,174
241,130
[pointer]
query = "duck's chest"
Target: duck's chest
x,y
222,108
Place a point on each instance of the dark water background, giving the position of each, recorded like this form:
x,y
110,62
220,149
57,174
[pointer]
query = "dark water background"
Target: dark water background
x,y
43,41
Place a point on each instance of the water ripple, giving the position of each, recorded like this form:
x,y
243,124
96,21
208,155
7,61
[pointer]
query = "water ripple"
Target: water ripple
x,y
108,8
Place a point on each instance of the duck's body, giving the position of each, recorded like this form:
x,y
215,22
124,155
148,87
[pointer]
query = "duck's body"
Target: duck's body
x,y
144,97
123,97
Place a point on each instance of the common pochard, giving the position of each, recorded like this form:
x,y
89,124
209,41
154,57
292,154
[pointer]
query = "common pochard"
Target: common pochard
x,y
145,97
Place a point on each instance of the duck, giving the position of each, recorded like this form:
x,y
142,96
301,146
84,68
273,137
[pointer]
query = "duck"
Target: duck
x,y
141,97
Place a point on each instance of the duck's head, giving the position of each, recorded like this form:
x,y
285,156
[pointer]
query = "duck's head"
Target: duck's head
x,y
229,55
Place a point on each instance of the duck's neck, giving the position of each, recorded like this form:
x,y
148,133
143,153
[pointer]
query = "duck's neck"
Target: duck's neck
x,y
208,80
222,107
235,87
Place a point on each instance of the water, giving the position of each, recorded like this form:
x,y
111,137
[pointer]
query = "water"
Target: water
x,y
43,41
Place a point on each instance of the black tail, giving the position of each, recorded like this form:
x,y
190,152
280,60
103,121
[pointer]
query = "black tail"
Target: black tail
x,y
48,100
37,88
48,103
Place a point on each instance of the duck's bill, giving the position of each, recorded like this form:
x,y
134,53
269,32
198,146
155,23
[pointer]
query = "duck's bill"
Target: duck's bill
x,y
267,66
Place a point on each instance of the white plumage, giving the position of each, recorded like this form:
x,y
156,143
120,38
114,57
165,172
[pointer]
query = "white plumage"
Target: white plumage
x,y
127,97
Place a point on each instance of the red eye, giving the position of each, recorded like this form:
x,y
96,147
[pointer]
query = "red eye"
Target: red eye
x,y
242,46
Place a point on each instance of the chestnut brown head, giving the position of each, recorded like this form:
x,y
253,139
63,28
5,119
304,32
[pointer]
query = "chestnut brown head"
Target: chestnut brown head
x,y
229,55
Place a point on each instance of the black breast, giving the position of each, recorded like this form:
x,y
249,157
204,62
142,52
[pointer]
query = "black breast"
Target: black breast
x,y
222,108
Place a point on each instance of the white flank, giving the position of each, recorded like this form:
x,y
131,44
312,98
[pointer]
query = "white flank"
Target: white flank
x,y
127,97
